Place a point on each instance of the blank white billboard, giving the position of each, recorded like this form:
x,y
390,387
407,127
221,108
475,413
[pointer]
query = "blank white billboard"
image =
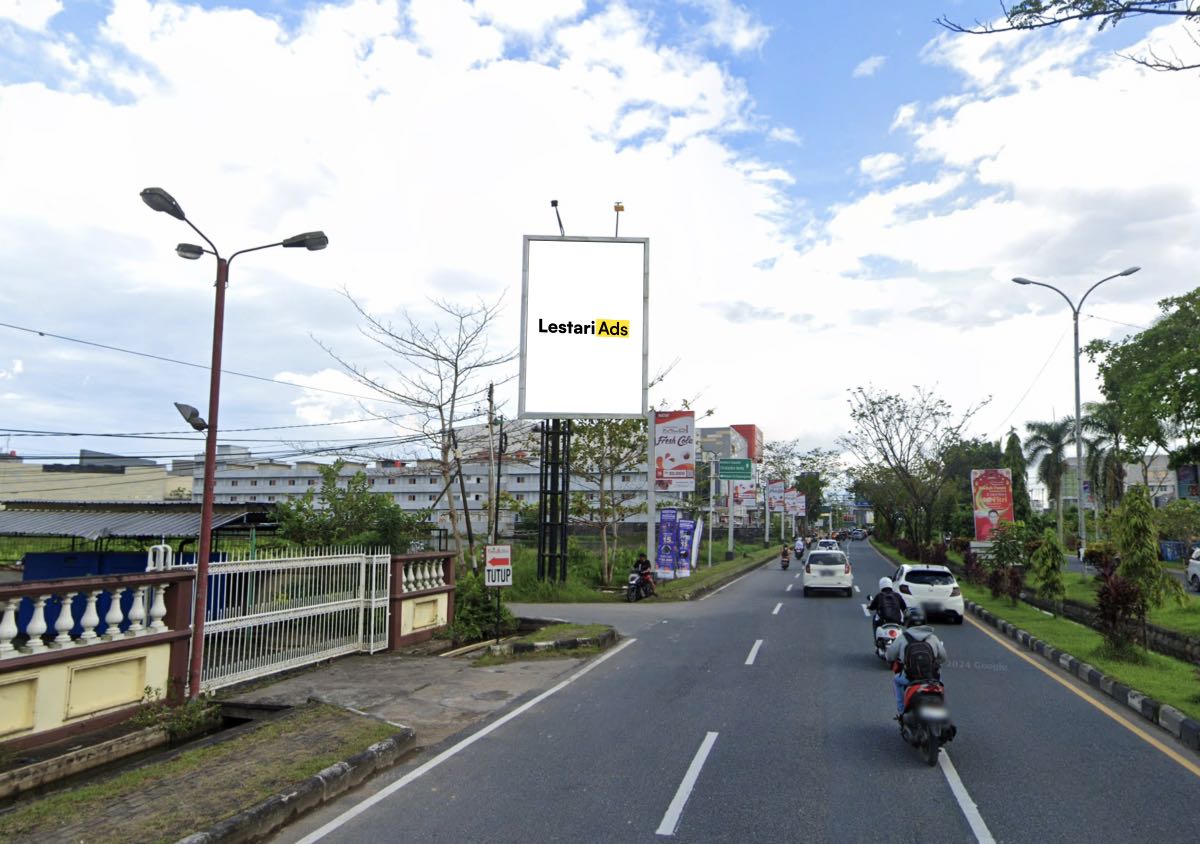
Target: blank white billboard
x,y
584,309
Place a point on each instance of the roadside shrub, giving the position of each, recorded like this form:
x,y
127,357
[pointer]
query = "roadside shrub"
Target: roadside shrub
x,y
908,549
182,720
1101,555
475,612
976,571
934,555
961,544
1046,566
1121,611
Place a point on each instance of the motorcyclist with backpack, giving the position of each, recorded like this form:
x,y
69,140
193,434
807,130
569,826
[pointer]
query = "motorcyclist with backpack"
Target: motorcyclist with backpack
x,y
915,656
887,606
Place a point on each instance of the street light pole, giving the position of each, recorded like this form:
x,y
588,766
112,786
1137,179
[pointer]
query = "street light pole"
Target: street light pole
x,y
159,200
1075,310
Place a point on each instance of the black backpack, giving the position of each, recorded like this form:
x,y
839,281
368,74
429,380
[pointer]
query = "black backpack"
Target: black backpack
x,y
920,662
891,607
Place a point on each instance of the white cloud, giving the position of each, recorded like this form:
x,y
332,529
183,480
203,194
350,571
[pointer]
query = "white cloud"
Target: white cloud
x,y
18,366
868,66
732,25
785,135
31,14
528,18
885,165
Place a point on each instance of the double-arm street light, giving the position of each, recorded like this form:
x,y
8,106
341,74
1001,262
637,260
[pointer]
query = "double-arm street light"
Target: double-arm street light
x,y
159,200
1075,309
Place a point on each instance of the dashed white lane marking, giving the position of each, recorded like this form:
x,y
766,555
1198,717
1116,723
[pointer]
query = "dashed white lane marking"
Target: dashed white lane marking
x,y
671,819
358,809
789,589
866,612
797,577
754,651
969,809
776,610
856,589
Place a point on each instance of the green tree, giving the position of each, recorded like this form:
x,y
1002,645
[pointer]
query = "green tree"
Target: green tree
x,y
1179,520
602,449
1047,443
816,470
347,513
1013,459
1135,533
1154,376
1105,453
1043,14
1006,559
1046,566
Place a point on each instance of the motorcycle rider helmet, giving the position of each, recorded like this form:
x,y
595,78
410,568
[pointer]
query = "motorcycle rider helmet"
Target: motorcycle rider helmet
x,y
914,617
885,584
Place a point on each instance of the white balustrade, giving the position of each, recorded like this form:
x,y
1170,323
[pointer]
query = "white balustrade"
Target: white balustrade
x,y
8,628
114,616
159,608
91,619
37,625
64,622
406,579
137,613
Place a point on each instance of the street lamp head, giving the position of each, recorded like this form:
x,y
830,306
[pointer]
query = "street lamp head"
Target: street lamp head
x,y
160,200
1129,271
1019,280
191,416
189,250
312,241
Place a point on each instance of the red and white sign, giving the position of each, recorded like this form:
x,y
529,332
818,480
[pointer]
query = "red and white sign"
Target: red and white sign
x,y
991,490
675,451
497,568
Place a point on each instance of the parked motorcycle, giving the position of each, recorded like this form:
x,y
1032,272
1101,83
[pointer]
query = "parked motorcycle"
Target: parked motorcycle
x,y
926,723
640,585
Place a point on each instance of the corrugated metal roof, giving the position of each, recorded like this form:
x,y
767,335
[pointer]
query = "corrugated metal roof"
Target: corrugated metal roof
x,y
97,525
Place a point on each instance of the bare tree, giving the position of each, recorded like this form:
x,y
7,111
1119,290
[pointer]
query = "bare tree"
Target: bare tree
x,y
909,438
439,373
1043,14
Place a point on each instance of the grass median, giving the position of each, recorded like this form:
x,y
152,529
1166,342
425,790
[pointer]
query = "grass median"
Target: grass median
x,y
1167,680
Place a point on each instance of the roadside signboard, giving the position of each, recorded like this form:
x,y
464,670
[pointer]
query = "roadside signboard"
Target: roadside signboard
x,y
991,492
675,451
775,499
735,469
497,569
668,541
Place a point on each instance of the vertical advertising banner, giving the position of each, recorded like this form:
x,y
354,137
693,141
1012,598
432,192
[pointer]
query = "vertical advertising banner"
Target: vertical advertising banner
x,y
668,540
675,451
791,503
991,494
775,496
745,494
802,505
687,534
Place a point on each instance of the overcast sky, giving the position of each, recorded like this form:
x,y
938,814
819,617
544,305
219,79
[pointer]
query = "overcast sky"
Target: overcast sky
x,y
833,198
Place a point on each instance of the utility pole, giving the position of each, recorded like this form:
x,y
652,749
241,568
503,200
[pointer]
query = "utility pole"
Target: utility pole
x,y
493,480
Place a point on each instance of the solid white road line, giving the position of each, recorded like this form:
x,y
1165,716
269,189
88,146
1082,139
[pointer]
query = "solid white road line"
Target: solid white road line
x,y
359,808
969,809
789,589
754,651
776,610
671,819
726,586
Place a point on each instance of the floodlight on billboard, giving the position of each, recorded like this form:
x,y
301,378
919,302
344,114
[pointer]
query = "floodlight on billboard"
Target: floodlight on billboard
x,y
584,327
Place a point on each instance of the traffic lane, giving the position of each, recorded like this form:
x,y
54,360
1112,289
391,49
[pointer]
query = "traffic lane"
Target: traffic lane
x,y
1040,759
599,745
816,756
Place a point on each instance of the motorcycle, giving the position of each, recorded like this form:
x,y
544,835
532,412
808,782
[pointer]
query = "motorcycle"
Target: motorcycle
x,y
640,585
885,633
785,559
926,723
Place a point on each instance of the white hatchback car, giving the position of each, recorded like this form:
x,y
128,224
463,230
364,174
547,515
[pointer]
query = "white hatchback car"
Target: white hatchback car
x,y
1193,570
828,545
932,588
828,570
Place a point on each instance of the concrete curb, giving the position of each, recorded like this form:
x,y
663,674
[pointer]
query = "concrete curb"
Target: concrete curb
x,y
608,637
264,818
1186,729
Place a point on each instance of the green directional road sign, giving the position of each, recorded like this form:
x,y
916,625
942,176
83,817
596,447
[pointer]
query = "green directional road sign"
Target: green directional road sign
x,y
738,469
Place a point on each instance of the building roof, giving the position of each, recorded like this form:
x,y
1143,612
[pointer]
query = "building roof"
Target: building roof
x,y
97,525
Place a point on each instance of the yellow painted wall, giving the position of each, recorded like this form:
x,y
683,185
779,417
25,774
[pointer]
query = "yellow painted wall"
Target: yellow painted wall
x,y
27,482
422,613
66,692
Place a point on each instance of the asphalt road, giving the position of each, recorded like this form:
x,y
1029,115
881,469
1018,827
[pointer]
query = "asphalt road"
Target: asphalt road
x,y
760,715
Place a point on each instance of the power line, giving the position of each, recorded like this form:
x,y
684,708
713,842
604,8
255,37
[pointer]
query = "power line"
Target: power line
x,y
194,365
1118,322
165,434
1033,382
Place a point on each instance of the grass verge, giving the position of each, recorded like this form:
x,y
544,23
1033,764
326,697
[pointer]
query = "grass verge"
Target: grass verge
x,y
554,632
488,659
685,588
218,780
1167,680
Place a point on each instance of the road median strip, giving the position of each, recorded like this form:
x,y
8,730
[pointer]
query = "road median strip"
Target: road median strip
x,y
602,640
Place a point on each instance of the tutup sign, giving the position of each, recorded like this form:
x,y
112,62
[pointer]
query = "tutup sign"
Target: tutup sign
x,y
497,568
675,451
992,500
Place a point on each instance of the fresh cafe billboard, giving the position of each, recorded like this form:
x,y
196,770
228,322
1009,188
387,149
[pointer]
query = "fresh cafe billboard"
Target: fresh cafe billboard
x,y
775,498
584,327
992,500
675,451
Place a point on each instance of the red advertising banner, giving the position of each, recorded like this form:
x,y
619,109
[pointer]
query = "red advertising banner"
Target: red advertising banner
x,y
991,494
675,451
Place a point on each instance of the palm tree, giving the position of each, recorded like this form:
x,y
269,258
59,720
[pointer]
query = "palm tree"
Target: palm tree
x,y
1048,442
1105,452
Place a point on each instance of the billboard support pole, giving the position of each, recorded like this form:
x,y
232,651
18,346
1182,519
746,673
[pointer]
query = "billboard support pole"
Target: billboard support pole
x,y
729,507
651,551
767,513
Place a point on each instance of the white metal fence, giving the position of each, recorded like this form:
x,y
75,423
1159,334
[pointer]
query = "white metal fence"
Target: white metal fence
x,y
267,615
